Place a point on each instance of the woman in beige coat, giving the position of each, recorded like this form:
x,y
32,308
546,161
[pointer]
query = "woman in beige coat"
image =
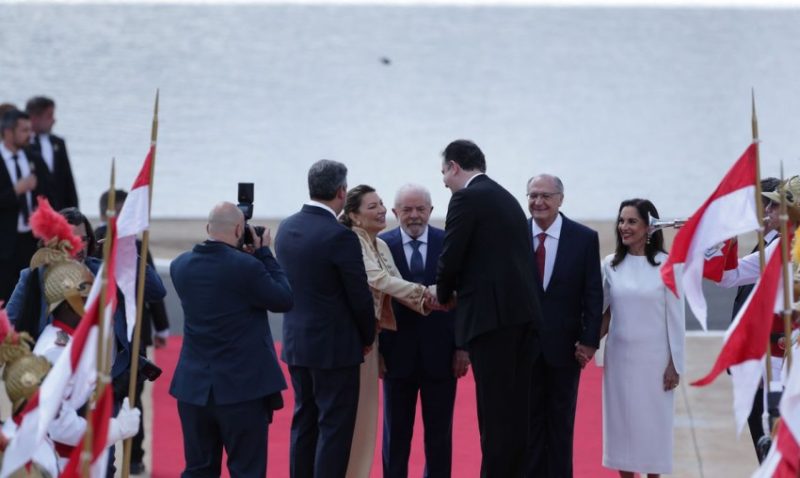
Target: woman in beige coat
x,y
365,214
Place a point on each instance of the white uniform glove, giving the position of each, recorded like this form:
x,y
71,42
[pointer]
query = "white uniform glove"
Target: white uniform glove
x,y
125,424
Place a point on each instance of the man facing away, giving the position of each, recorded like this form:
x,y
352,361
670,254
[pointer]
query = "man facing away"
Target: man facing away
x,y
420,358
570,291
330,328
53,151
23,177
228,380
487,262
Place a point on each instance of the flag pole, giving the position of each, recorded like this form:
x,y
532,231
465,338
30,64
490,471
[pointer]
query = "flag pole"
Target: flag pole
x,y
137,329
102,374
760,215
787,279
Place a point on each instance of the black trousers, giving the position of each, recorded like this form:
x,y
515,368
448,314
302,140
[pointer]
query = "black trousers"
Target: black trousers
x,y
502,362
325,404
241,428
554,395
438,398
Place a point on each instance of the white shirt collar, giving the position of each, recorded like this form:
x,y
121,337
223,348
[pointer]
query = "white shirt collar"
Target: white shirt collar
x,y
7,152
423,238
323,206
473,177
553,231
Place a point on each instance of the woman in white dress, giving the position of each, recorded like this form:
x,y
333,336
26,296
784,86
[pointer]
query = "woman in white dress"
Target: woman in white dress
x,y
365,214
644,350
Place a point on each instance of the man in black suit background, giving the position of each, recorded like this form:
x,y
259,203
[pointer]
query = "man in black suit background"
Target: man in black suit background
x,y
53,151
570,290
487,262
23,177
420,357
330,328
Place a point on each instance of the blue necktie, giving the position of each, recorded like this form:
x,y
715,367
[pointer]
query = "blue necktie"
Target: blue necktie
x,y
416,267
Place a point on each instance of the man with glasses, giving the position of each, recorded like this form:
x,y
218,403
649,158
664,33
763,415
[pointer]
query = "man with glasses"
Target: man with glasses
x,y
570,291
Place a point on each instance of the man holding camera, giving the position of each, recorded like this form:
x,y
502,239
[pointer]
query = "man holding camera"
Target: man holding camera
x,y
228,381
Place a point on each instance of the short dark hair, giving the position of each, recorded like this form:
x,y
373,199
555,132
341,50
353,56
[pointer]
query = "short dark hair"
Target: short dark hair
x,y
75,217
325,178
11,118
655,243
119,196
353,201
38,104
770,184
6,107
466,154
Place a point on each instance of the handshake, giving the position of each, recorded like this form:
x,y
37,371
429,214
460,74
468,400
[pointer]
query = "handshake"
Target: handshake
x,y
433,303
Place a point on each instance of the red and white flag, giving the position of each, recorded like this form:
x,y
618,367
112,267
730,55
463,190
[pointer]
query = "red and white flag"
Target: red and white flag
x,y
134,218
783,460
728,212
78,362
720,258
101,417
744,348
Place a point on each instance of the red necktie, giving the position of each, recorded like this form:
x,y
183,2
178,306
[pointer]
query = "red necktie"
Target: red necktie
x,y
540,253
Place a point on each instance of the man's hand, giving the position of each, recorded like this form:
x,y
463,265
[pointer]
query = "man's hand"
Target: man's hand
x,y
28,183
432,301
381,366
460,363
671,377
584,353
159,342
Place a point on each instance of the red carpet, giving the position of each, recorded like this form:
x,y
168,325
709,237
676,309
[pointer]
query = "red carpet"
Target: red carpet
x,y
168,442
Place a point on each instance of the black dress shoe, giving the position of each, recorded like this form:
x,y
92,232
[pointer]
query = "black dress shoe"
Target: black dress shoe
x,y
136,468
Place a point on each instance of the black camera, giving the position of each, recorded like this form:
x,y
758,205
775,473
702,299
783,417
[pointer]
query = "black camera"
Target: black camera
x,y
246,206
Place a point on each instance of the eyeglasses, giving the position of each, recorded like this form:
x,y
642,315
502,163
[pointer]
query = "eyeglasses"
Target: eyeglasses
x,y
544,196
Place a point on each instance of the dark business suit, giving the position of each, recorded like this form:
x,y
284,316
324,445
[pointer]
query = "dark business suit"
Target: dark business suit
x,y
16,249
324,336
487,260
571,312
228,367
419,360
64,192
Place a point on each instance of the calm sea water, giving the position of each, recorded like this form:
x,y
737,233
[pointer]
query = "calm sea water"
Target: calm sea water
x,y
619,102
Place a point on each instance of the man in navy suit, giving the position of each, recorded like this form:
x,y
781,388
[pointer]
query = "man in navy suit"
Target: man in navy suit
x,y
228,380
570,291
421,356
330,328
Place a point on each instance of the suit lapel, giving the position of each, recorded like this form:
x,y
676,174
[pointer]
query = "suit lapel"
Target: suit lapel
x,y
563,247
435,238
395,242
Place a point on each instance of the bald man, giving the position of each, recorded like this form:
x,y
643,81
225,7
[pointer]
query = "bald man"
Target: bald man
x,y
228,381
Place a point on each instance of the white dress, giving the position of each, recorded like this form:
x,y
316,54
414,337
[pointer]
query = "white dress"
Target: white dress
x,y
647,325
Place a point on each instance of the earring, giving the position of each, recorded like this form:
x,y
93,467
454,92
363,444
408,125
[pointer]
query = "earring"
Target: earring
x,y
648,239
358,223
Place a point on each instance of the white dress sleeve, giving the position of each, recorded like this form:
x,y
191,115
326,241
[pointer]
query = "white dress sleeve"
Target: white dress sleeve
x,y
675,315
606,268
